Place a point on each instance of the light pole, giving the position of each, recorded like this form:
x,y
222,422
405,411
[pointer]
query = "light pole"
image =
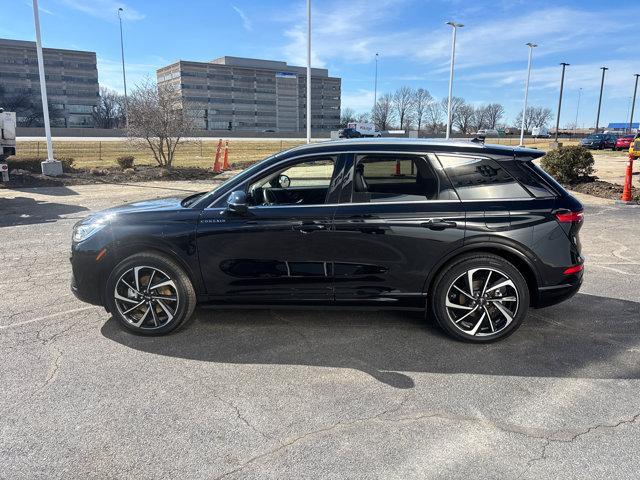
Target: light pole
x,y
50,166
578,106
455,26
375,85
564,65
308,71
633,102
526,92
124,75
604,69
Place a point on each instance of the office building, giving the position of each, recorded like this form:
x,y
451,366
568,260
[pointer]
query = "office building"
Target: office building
x,y
232,93
72,83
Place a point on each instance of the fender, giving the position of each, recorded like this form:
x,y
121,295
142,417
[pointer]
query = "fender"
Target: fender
x,y
488,243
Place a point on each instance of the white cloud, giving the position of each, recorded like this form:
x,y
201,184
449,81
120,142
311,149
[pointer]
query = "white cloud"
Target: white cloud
x,y
104,9
360,100
246,23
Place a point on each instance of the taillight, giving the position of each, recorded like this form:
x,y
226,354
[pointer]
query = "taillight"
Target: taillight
x,y
570,217
574,269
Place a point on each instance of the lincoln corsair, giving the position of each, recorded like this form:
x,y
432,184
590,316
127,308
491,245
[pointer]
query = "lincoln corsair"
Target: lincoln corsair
x,y
471,234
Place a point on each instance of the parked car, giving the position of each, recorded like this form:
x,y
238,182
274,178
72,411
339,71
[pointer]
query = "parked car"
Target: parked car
x,y
488,132
624,142
540,132
599,141
349,133
471,234
634,148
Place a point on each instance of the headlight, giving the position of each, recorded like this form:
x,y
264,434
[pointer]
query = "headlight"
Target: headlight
x,y
82,231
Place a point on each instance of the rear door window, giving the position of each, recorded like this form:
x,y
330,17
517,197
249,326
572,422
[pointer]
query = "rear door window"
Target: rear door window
x,y
393,178
479,178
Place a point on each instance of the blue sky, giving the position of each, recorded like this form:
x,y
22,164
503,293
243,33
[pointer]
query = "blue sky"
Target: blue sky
x,y
410,35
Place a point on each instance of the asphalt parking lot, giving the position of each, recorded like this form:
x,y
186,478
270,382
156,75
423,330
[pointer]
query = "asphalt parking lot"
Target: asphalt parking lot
x,y
309,394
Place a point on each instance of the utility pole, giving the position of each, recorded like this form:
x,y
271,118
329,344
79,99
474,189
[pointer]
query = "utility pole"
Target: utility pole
x,y
124,75
578,106
308,71
49,166
526,92
564,65
453,58
604,69
375,85
633,102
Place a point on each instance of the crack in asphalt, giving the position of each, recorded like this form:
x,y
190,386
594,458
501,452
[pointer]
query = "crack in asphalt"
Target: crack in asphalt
x,y
306,435
548,440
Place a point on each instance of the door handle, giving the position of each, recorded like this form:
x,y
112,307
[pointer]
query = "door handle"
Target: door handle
x,y
309,227
438,224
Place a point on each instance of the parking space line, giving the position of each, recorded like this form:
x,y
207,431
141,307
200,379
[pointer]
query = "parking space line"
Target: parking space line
x,y
26,322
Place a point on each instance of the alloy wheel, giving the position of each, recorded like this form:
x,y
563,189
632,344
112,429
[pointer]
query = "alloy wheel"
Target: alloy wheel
x,y
146,297
482,301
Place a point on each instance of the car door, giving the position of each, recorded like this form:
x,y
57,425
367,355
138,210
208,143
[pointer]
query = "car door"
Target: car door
x,y
398,216
279,251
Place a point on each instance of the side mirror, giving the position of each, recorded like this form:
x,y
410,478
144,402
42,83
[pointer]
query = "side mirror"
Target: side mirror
x,y
284,181
237,202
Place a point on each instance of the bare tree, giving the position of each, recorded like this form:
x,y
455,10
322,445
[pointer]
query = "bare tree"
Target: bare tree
x,y
421,101
383,112
158,118
363,117
28,108
347,115
456,103
434,116
535,117
495,112
464,117
110,112
402,104
480,117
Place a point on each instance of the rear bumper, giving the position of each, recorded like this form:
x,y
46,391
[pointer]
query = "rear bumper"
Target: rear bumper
x,y
548,296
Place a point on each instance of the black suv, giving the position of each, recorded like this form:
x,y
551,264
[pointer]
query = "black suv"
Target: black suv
x,y
600,141
349,133
473,234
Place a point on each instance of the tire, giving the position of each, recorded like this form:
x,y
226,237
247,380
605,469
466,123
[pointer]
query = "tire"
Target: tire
x,y
131,283
496,314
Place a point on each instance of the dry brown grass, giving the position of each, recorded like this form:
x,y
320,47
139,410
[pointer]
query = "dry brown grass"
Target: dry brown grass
x,y
197,153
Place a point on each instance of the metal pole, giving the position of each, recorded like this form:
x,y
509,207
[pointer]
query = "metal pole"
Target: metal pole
x,y
308,71
564,65
578,106
375,86
604,69
43,85
526,92
124,75
633,103
453,58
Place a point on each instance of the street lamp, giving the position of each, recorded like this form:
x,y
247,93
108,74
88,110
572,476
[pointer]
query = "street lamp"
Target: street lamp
x,y
564,65
633,102
453,57
124,75
50,166
308,71
578,106
526,92
604,69
375,85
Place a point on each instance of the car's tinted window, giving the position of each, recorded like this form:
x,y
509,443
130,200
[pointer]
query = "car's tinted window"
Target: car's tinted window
x,y
393,178
522,172
477,178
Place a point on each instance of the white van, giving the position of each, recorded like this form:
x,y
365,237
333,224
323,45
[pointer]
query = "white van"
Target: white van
x,y
364,129
540,132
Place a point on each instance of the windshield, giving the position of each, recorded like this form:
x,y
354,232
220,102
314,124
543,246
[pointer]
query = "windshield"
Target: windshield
x,y
598,136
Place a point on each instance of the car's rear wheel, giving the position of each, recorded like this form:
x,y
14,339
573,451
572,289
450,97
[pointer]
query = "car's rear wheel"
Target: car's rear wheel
x,y
150,294
480,298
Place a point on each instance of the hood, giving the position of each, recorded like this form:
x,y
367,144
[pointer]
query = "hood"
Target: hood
x,y
159,204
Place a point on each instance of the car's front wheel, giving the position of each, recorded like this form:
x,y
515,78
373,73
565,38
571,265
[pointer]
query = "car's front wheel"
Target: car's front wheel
x,y
150,294
480,298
